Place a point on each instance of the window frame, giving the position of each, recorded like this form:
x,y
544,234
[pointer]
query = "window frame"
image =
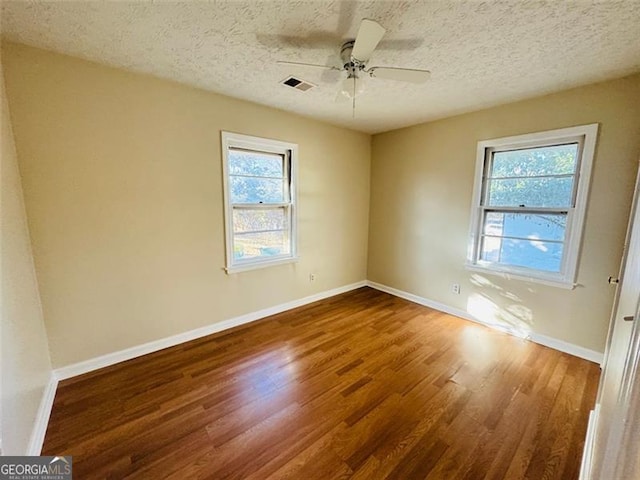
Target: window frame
x,y
289,151
585,136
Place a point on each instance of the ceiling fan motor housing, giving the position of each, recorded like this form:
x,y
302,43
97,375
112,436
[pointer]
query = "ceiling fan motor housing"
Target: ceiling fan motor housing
x,y
352,67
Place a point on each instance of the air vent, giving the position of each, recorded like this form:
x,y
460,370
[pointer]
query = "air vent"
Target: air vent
x,y
298,84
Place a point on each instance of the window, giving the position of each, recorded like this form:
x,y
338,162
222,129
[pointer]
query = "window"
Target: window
x,y
259,194
529,204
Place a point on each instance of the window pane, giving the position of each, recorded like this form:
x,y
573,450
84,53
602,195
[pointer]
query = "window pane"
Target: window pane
x,y
531,192
265,244
555,160
256,190
245,220
533,254
534,226
258,164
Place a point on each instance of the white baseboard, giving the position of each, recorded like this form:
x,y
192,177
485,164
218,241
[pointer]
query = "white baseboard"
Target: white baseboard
x,y
422,301
570,348
587,453
550,342
150,347
42,417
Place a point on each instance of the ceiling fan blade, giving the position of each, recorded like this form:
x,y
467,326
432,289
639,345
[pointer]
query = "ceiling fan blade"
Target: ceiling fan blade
x,y
369,35
301,64
401,74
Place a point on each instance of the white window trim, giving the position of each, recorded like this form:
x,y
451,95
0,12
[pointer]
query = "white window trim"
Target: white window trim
x,y
236,140
566,278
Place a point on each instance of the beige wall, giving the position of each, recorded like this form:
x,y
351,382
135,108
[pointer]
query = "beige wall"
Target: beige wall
x,y
123,189
421,185
24,352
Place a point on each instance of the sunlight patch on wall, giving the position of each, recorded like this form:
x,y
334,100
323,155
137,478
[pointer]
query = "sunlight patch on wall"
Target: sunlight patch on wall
x,y
515,319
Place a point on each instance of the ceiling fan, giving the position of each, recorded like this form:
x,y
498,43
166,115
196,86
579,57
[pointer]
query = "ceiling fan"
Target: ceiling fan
x,y
355,54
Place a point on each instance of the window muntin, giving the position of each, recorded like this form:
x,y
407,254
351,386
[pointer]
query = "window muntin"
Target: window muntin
x,y
259,201
529,203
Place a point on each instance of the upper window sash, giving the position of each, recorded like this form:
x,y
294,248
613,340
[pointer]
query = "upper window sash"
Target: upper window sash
x,y
271,174
489,177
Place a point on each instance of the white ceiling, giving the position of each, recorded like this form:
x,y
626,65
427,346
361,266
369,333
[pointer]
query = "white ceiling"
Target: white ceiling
x,y
480,53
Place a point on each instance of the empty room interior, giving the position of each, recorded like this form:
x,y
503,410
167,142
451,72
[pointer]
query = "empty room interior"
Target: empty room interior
x,y
321,239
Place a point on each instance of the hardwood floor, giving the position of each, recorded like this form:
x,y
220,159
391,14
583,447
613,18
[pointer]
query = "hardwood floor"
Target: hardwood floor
x,y
359,386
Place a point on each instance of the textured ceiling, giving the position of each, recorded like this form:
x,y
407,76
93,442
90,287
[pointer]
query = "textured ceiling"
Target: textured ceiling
x,y
479,53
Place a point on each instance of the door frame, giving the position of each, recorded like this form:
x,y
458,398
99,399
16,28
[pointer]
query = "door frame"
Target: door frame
x,y
618,460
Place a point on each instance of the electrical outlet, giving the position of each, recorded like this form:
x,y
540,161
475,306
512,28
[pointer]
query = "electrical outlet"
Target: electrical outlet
x,y
455,288
312,277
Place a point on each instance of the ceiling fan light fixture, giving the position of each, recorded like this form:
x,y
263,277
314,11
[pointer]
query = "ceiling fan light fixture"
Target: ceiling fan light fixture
x,y
352,86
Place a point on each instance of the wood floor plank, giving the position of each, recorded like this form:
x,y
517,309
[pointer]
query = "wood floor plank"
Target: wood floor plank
x,y
363,385
465,436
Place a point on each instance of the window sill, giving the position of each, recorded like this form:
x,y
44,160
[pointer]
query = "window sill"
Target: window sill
x,y
258,265
511,275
